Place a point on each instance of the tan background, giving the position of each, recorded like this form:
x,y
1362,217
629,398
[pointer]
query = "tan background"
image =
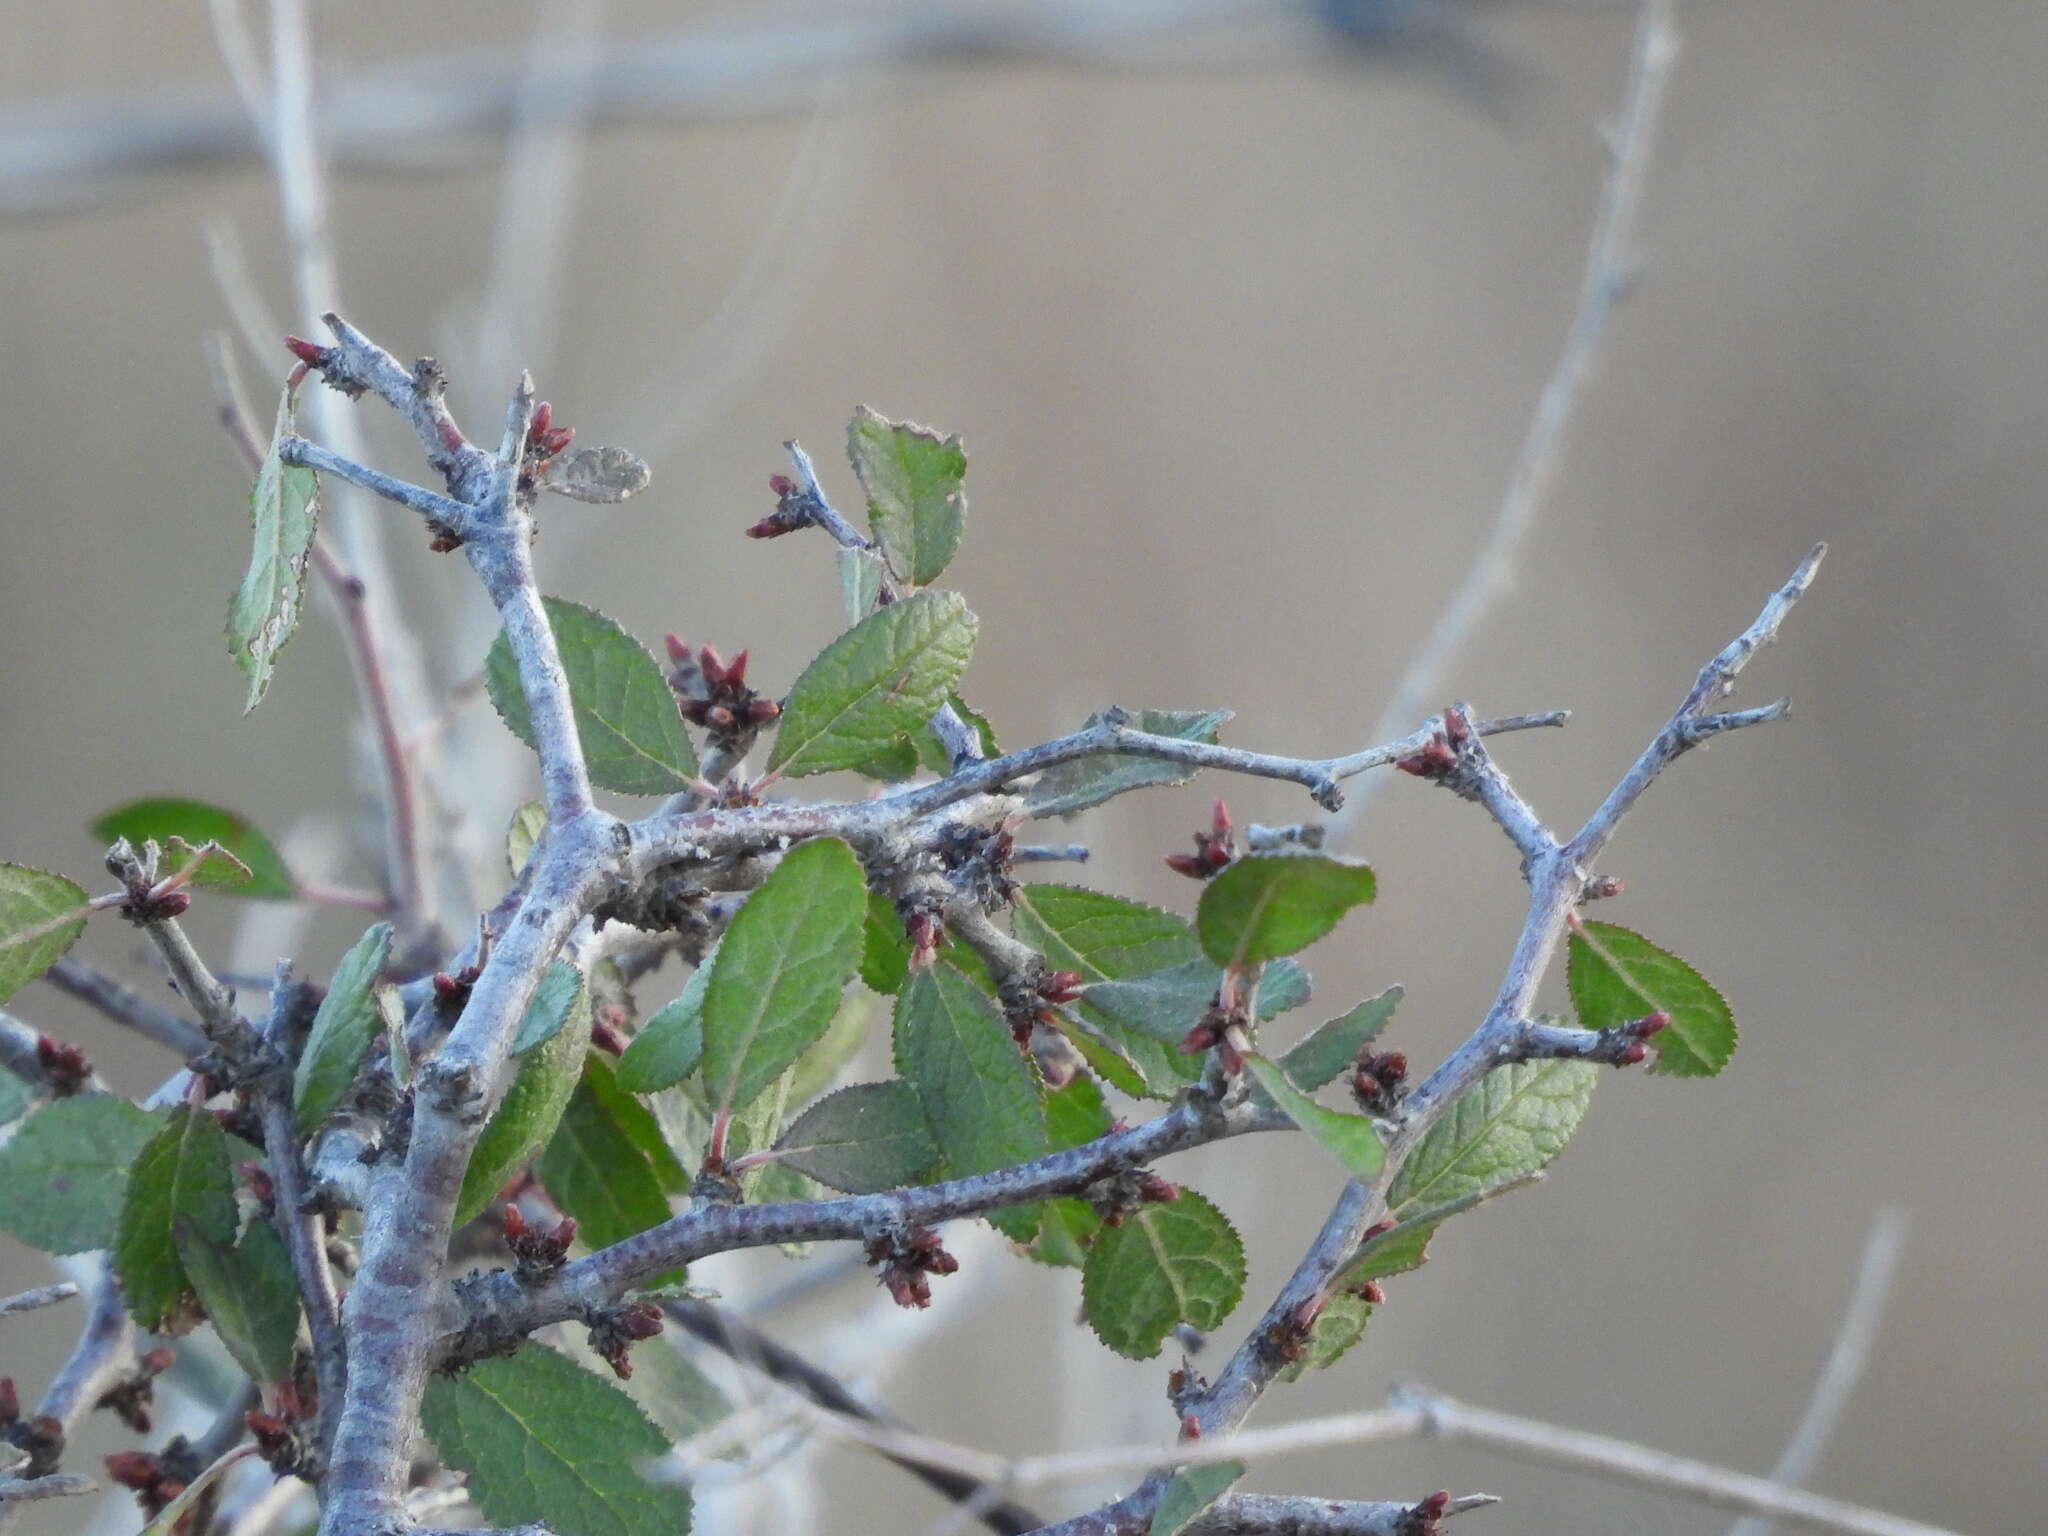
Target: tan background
x,y
1241,358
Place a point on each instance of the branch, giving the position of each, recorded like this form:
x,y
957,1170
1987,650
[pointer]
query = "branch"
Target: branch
x,y
41,1296
429,504
58,1485
126,1006
90,1369
1257,1514
224,1026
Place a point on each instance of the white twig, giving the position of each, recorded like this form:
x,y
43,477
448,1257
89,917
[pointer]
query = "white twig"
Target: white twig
x,y
58,1485
1609,271
41,1296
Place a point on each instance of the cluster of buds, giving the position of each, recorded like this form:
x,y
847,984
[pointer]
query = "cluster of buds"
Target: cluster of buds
x,y
538,1251
1624,1044
926,933
543,441
1214,849
615,1330
977,861
1601,888
1185,1389
65,1069
794,509
154,903
156,1478
712,692
452,989
1378,1079
906,1255
128,1399
285,1438
1222,1026
1116,1195
1029,1002
41,1437
1437,758
1289,1337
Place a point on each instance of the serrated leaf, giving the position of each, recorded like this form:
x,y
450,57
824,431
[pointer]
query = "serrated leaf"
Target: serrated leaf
x,y
633,739
1328,1050
912,477
1192,1492
595,1170
284,513
1283,985
523,834
1105,1056
671,1042
41,916
980,1097
550,1006
1167,1264
1337,1327
65,1172
863,1139
184,1178
529,1112
782,966
249,1293
342,1030
544,1440
1070,787
1075,1115
1266,905
601,476
823,1060
875,684
207,864
164,818
1616,975
860,582
1507,1126
1164,1005
1348,1138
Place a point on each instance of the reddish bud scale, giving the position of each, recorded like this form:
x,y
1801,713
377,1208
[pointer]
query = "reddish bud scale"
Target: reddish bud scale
x,y
1190,1427
1632,1054
10,1401
134,1469
312,354
782,485
773,526
1369,1291
1650,1023
678,648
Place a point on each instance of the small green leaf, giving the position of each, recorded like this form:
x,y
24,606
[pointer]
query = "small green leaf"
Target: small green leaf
x,y
1070,787
549,1008
197,822
65,1172
980,1097
184,1178
670,1043
860,582
633,739
875,684
1283,985
863,1139
782,966
529,1112
249,1294
1348,1138
885,947
41,916
1267,905
1075,1115
1507,1126
544,1440
595,1170
342,1029
1168,1264
284,512
1617,975
1192,1492
1328,1051
523,834
912,477
1337,1327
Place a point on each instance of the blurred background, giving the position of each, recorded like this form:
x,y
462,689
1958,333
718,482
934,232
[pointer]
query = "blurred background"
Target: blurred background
x,y
1242,328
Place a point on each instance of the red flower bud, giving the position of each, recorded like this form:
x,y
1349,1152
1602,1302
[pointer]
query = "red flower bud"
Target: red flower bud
x,y
719,718
10,1401
771,527
736,670
543,414
1370,1291
678,648
134,1469
761,711
312,354
554,440
171,903
1193,865
1632,1053
712,665
159,1360
514,1222
781,485
1650,1023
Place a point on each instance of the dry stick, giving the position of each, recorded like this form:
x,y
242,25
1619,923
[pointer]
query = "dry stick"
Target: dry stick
x,y
1609,271
1844,1367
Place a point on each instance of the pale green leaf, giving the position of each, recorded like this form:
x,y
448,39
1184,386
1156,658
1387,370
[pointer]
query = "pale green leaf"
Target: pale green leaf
x,y
249,1294
1166,1264
528,1114
1075,1115
41,916
671,1042
860,582
1069,787
912,477
595,1170
633,739
1328,1051
183,1178
1617,975
601,476
141,821
1266,905
862,1139
1508,1125
1350,1139
876,683
523,835
342,1029
1337,1327
65,1172
561,984
14,1097
284,513
1192,1492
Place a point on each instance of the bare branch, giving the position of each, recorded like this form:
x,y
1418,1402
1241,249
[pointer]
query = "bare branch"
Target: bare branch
x,y
124,1005
58,1485
429,504
41,1296
95,1360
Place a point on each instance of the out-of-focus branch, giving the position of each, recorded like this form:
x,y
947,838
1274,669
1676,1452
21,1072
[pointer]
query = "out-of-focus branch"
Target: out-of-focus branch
x,y
41,1296
124,1005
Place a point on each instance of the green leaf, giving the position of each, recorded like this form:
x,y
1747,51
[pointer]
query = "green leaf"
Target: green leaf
x,y
826,1057
249,1293
64,1174
912,477
863,1139
1617,975
529,1112
1075,1115
1337,1327
671,1043
1283,985
1266,905
876,683
1348,1138
595,1170
1164,1265
523,834
342,1029
1069,787
1192,1492
860,582
14,1097
197,822
1105,1055
1328,1051
544,1440
1508,1125
626,718
885,947
550,1006
183,1179
284,511
980,1097
41,916
782,966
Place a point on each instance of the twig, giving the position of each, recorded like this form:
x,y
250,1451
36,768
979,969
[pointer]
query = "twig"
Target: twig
x,y
21,1054
41,1296
95,1360
1609,270
124,1005
1844,1367
215,1004
1257,1514
429,504
58,1485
